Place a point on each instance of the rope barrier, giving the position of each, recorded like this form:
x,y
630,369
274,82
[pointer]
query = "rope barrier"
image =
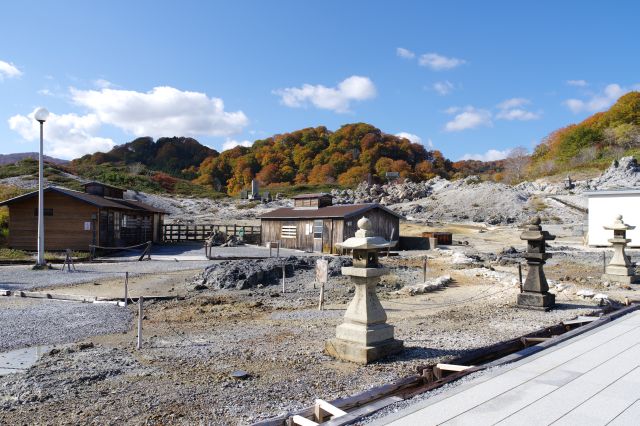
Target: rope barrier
x,y
120,248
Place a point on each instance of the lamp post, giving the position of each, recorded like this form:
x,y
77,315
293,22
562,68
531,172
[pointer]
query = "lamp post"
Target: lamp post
x,y
41,116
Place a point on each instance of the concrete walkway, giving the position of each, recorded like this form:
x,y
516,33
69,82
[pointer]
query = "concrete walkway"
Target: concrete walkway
x,y
593,379
195,251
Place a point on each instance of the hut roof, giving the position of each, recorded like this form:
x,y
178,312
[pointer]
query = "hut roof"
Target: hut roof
x,y
336,211
96,200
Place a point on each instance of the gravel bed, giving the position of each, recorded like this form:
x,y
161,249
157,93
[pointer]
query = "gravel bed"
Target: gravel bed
x,y
22,277
31,322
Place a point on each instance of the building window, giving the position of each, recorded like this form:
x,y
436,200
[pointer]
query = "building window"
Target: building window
x,y
317,229
288,231
47,212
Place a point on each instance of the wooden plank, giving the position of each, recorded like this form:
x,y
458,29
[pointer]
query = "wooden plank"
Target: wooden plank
x,y
322,407
453,367
365,410
303,421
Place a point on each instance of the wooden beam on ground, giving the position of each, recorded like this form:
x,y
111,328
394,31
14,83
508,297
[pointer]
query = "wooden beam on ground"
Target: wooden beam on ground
x,y
303,421
580,320
321,407
439,368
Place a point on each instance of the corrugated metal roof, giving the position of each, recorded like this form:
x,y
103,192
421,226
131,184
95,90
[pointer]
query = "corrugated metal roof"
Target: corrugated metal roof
x,y
336,211
96,200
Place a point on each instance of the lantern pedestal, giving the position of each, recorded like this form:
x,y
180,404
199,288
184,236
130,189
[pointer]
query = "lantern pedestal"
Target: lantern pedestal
x,y
364,336
620,269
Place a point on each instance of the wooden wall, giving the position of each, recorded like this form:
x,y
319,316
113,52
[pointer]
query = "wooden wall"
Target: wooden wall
x,y
334,230
63,230
382,224
271,231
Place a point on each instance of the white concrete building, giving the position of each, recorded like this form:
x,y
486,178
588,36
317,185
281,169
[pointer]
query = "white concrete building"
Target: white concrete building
x,y
603,208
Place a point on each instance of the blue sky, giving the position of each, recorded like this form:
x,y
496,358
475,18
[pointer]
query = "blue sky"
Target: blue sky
x,y
472,79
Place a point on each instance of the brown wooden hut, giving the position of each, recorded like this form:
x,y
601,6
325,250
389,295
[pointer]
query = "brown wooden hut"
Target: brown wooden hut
x,y
315,224
74,220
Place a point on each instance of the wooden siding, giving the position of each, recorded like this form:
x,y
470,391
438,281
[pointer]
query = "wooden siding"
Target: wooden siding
x,y
271,231
63,230
334,230
382,224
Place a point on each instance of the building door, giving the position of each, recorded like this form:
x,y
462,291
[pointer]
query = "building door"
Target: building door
x,y
327,236
317,235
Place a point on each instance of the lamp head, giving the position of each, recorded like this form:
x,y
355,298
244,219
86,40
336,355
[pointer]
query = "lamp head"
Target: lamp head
x,y
41,115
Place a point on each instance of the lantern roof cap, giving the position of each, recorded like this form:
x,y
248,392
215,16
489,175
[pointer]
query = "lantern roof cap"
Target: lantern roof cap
x,y
365,239
534,232
619,225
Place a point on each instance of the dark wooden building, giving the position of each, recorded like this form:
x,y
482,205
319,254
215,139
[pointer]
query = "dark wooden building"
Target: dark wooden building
x,y
315,224
74,219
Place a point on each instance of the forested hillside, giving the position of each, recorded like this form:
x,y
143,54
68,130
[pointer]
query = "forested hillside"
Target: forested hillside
x,y
592,143
176,156
320,156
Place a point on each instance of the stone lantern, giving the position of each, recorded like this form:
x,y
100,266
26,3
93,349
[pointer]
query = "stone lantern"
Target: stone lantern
x,y
364,336
620,269
535,290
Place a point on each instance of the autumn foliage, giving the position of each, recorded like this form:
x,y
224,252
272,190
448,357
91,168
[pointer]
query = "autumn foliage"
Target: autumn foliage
x,y
319,156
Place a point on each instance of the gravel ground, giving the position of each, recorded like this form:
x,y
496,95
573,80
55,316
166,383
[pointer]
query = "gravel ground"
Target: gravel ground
x,y
30,322
182,375
22,277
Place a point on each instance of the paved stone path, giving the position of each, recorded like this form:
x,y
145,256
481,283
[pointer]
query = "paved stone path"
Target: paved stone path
x,y
593,379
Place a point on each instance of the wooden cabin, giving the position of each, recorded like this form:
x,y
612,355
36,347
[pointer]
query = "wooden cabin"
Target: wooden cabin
x,y
315,224
74,219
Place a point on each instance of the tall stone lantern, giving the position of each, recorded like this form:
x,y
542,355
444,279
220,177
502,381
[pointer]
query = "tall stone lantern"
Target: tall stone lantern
x,y
535,290
620,269
364,336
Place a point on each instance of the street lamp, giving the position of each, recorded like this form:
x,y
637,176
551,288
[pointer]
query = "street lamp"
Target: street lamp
x,y
41,116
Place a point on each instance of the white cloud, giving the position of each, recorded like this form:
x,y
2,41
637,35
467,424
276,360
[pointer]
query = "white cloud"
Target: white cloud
x,y
577,83
338,99
512,109
405,53
443,87
513,103
467,118
66,136
490,155
163,111
599,101
412,138
517,114
231,143
8,70
103,84
438,62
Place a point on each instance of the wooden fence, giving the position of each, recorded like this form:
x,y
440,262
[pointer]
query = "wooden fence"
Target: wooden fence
x,y
182,232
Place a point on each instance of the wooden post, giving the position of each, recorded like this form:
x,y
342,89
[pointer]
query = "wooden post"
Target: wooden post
x,y
140,315
321,304
283,268
424,270
604,262
126,289
520,275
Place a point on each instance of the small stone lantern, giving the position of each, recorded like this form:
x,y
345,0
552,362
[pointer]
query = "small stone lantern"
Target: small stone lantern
x,y
364,336
620,269
535,290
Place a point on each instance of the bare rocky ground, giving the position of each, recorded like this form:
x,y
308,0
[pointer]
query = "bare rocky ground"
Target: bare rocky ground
x,y
183,373
193,343
467,200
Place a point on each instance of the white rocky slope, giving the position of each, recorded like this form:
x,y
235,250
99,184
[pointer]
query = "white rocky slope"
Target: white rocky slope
x,y
437,200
